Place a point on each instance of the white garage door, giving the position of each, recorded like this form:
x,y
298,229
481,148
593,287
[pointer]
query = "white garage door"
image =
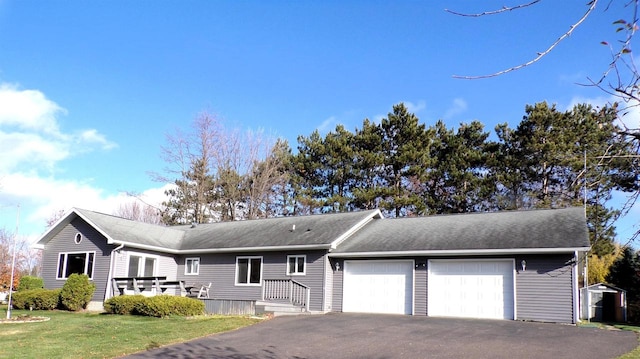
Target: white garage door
x,y
471,288
378,287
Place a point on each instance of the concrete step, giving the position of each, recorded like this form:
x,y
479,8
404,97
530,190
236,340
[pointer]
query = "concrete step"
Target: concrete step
x,y
278,309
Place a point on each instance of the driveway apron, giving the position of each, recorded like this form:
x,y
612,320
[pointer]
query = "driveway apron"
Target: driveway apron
x,y
341,335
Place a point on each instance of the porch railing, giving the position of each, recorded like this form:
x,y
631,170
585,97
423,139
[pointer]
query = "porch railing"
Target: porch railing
x,y
286,289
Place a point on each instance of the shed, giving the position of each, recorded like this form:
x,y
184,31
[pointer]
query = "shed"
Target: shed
x,y
603,302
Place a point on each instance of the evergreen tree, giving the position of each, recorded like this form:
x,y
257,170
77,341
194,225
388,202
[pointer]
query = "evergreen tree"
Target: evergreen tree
x,y
405,147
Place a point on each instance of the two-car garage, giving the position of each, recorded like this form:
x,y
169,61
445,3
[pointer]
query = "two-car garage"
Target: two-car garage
x,y
480,288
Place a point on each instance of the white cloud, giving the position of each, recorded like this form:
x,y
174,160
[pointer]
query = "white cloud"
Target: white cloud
x,y
458,107
30,134
33,144
28,109
327,125
629,116
93,137
415,108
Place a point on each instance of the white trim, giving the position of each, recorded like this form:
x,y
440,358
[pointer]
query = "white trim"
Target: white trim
x,y
574,286
66,261
510,260
248,284
197,272
304,265
145,256
456,252
336,242
222,250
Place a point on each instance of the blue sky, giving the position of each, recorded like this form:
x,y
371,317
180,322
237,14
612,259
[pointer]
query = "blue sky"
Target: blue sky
x,y
88,90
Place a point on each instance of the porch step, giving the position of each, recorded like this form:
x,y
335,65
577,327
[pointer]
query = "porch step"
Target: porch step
x,y
278,309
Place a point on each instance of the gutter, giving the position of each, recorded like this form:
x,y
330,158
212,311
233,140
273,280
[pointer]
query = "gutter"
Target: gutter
x,y
224,250
108,289
457,252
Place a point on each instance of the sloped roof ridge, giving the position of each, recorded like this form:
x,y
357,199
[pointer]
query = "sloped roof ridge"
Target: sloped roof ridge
x,y
498,212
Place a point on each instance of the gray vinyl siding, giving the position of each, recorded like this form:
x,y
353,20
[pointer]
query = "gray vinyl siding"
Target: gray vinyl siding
x,y
544,289
420,287
64,241
220,270
337,266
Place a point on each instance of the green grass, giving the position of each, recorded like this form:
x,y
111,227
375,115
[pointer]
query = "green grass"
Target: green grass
x,y
635,353
93,335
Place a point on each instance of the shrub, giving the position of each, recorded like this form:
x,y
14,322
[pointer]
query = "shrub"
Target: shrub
x,y
76,292
38,299
167,305
30,282
123,304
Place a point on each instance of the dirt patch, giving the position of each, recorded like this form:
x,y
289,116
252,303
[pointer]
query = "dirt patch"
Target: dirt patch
x,y
23,319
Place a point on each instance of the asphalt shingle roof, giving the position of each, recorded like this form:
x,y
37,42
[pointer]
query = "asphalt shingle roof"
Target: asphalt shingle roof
x,y
536,229
313,230
551,228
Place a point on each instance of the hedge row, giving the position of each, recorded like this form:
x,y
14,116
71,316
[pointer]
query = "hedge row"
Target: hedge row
x,y
37,299
74,295
158,306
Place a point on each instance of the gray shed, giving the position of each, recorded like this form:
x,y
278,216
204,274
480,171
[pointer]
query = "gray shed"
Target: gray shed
x,y
604,303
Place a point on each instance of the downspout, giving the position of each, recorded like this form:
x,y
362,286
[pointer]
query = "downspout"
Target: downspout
x,y
109,289
576,294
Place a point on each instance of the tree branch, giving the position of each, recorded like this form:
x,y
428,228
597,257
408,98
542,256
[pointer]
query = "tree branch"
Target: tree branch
x,y
592,6
503,9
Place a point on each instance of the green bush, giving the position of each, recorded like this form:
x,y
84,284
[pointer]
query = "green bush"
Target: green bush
x,y
122,304
76,292
37,299
168,305
30,282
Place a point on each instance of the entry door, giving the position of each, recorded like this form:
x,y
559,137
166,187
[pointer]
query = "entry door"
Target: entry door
x,y
378,286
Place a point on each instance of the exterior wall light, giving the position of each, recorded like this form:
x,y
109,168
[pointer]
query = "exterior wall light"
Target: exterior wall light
x,y
524,265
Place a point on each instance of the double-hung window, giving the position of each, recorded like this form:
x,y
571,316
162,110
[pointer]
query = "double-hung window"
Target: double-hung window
x,y
192,266
248,270
142,266
75,262
296,265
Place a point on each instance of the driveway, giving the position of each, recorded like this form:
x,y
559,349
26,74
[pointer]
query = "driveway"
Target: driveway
x,y
341,335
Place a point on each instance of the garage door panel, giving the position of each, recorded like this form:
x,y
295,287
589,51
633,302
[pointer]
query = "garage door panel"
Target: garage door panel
x,y
378,287
473,288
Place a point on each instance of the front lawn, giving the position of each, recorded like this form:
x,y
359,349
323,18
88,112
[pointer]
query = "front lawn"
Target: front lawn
x,y
93,335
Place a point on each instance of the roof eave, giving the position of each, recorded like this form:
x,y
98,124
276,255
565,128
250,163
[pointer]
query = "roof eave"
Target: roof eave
x,y
224,250
459,252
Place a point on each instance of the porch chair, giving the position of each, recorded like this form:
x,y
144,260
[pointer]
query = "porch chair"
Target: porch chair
x,y
204,291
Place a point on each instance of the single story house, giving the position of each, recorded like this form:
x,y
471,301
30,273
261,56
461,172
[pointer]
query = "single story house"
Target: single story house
x,y
514,265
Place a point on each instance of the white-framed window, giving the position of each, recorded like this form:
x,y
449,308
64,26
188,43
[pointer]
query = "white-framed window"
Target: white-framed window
x,y
249,270
78,238
141,265
192,266
296,265
75,262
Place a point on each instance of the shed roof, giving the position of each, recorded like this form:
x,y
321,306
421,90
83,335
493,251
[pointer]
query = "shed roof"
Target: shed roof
x,y
535,230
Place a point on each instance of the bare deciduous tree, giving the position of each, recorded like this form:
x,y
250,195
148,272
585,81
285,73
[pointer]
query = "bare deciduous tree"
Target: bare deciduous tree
x,y
137,211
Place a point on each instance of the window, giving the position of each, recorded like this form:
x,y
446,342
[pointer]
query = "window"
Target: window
x,y
77,262
248,270
192,266
78,238
296,265
141,266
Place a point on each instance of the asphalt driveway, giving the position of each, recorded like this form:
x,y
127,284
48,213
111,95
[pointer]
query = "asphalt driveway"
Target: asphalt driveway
x,y
340,335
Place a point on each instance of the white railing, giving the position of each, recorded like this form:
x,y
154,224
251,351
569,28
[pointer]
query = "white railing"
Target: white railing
x,y
286,289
